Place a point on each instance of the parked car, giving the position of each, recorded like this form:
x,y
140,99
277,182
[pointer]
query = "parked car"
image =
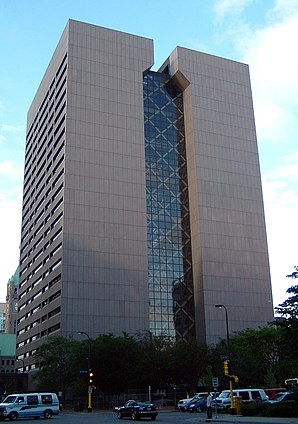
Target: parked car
x,y
183,402
160,403
223,401
197,404
272,392
136,410
29,405
284,397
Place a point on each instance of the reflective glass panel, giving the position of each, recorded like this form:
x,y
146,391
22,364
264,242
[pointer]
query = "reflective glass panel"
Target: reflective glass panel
x,y
168,228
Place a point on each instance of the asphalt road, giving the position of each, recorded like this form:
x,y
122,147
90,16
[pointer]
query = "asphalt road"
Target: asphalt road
x,y
171,417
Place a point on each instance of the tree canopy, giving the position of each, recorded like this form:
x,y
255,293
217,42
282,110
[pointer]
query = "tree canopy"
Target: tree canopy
x,y
289,308
59,364
259,357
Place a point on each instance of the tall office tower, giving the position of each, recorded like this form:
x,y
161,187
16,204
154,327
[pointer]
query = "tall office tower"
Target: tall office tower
x,y
12,303
142,200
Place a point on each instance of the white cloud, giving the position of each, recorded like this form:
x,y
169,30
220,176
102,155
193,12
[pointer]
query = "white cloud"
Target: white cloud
x,y
10,170
283,9
278,194
270,51
11,133
10,212
11,176
281,210
225,7
11,128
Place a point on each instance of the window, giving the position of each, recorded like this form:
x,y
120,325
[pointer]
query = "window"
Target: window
x,y
256,395
244,395
46,399
32,400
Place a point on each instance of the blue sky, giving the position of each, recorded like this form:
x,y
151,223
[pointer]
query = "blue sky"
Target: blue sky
x,y
262,33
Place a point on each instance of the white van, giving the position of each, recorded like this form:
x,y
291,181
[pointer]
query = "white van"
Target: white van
x,y
223,401
29,405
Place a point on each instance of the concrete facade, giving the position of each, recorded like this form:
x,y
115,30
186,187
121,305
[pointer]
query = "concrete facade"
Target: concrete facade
x,y
84,259
12,303
229,242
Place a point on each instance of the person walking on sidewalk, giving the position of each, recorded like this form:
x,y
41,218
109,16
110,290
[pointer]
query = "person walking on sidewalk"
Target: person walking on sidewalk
x,y
209,405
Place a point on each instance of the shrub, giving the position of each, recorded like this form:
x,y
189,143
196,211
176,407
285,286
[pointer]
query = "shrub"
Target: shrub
x,y
283,410
253,409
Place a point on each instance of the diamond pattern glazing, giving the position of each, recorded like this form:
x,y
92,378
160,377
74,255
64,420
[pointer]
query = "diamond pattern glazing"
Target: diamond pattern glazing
x,y
168,228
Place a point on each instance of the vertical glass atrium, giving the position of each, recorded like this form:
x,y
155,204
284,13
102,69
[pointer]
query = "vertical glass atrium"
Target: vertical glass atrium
x,y
168,228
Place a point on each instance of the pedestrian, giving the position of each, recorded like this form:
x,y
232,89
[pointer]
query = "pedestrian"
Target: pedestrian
x,y
209,405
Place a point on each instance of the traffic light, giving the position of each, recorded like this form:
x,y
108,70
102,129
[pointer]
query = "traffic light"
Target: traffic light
x,y
90,377
226,367
234,378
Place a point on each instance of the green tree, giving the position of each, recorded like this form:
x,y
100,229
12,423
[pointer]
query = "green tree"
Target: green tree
x,y
155,364
289,308
58,364
217,354
288,323
254,354
190,363
270,379
207,377
115,363
294,273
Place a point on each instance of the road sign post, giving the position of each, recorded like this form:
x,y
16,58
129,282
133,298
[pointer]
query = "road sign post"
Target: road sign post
x,y
215,382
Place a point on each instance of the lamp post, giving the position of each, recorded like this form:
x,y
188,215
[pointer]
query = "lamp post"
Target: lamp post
x,y
232,410
90,374
227,328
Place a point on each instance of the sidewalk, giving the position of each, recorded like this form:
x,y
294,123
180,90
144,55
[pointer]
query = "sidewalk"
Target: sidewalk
x,y
238,419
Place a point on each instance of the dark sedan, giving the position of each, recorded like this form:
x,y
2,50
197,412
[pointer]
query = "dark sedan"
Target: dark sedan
x,y
284,397
136,410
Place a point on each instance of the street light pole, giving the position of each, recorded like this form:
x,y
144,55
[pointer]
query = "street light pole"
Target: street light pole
x,y
229,356
89,407
227,328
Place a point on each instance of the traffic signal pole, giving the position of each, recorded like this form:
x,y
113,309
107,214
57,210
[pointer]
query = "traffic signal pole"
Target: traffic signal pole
x,y
231,396
90,373
231,379
89,407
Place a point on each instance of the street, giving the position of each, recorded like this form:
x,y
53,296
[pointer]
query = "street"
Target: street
x,y
171,417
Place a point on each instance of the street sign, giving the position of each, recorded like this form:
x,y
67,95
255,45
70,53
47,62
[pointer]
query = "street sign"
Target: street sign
x,y
215,381
83,371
